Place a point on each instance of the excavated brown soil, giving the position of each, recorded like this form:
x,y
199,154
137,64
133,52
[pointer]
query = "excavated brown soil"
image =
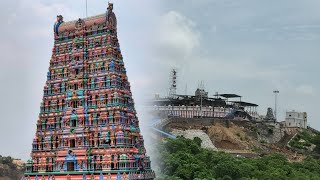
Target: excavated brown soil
x,y
224,144
232,138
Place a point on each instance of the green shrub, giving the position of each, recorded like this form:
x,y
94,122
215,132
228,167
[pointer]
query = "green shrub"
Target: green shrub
x,y
182,158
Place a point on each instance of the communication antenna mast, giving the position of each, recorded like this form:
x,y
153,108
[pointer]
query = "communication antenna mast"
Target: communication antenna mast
x,y
173,86
202,85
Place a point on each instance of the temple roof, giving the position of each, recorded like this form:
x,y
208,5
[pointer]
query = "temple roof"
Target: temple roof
x,y
70,25
87,19
108,18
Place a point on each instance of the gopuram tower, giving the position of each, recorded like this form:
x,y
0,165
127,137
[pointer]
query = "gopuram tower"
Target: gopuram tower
x,y
87,127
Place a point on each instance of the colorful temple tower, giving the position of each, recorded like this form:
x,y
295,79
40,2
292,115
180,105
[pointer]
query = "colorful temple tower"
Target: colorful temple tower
x,y
87,127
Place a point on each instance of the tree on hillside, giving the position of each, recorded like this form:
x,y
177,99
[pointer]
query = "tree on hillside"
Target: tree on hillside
x,y
316,141
183,158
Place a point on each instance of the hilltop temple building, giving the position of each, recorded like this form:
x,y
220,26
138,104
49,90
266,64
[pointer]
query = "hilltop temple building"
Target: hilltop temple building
x,y
87,126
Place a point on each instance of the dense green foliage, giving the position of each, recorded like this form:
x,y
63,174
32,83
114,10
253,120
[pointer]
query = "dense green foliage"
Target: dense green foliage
x,y
316,141
9,169
304,139
182,158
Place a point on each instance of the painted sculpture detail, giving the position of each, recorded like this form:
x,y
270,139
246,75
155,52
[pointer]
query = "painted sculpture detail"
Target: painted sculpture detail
x,y
87,127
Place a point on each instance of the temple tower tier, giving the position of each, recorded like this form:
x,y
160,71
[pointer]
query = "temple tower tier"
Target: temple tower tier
x,y
87,126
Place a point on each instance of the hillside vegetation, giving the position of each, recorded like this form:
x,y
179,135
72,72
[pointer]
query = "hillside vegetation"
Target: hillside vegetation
x,y
10,168
183,158
306,141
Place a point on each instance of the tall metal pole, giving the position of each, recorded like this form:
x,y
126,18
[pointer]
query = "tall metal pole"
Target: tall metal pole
x,y
276,92
200,104
86,8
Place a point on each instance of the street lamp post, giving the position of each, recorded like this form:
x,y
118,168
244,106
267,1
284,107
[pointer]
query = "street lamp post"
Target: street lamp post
x,y
276,92
200,104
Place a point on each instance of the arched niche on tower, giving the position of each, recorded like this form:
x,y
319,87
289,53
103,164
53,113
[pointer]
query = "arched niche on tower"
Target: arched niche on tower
x,y
70,162
73,120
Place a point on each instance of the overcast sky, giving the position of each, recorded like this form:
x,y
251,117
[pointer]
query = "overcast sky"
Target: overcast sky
x,y
246,47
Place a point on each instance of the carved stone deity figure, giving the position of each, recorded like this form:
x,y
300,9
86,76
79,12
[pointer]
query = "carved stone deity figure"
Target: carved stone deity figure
x,y
115,160
111,18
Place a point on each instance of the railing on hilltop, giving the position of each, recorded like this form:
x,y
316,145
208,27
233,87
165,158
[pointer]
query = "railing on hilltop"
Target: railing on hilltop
x,y
158,125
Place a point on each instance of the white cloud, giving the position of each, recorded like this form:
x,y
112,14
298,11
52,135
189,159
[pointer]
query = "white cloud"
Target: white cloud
x,y
176,37
179,31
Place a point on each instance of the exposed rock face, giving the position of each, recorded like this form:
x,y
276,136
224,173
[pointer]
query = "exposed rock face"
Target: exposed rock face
x,y
19,163
269,132
190,134
11,169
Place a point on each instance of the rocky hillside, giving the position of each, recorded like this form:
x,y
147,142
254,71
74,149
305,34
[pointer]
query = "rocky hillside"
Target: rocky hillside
x,y
191,134
249,139
11,169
